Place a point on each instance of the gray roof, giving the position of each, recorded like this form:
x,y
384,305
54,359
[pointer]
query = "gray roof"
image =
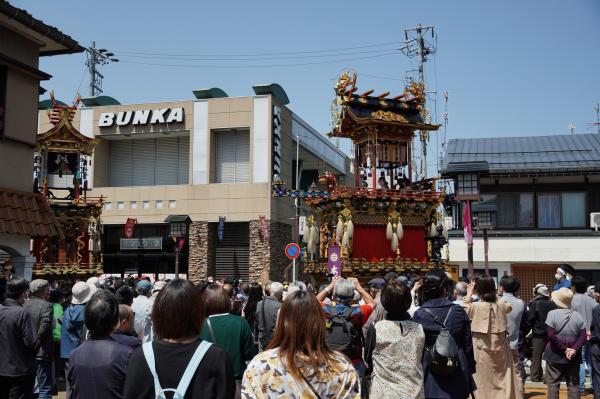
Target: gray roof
x,y
536,154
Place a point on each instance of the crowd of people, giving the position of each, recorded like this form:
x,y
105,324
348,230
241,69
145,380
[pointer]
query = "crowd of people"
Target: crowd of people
x,y
396,337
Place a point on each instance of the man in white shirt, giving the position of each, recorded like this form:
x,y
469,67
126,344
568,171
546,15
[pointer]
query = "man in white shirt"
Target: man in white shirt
x,y
141,306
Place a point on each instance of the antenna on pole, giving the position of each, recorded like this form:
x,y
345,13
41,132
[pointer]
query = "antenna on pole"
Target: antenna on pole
x,y
415,45
96,57
572,128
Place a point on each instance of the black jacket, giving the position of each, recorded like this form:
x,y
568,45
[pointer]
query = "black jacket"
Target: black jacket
x,y
538,311
17,340
266,317
41,314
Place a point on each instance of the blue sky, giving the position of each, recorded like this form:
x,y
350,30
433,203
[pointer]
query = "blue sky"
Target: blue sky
x,y
511,67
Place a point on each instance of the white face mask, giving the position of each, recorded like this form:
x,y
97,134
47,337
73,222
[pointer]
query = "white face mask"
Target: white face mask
x,y
475,297
558,276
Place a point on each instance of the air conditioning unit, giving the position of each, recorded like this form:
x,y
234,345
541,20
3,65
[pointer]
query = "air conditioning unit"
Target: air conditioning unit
x,y
595,220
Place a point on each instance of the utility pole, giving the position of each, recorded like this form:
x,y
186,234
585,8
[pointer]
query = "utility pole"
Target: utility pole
x,y
597,109
416,46
95,57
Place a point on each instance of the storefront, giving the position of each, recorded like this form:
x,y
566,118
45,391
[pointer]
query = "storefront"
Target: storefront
x,y
211,159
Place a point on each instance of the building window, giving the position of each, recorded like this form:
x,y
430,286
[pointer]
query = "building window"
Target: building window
x,y
573,209
231,156
514,210
159,204
108,206
120,205
467,184
172,204
149,162
3,82
146,204
133,205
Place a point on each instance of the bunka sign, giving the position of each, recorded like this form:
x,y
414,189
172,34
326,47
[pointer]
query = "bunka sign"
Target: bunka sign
x,y
334,260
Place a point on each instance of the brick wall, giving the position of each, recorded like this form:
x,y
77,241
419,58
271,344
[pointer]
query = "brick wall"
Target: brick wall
x,y
199,253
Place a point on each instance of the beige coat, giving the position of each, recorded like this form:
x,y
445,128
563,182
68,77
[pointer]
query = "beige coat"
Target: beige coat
x,y
496,377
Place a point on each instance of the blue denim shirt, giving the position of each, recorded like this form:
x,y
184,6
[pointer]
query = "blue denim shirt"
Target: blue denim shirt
x,y
73,330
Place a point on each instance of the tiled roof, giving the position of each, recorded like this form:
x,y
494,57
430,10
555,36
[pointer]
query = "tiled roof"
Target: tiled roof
x,y
27,214
560,153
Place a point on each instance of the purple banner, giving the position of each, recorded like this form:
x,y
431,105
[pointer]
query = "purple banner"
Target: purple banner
x,y
334,260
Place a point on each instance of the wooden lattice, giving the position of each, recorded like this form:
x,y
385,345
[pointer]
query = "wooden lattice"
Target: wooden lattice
x,y
532,274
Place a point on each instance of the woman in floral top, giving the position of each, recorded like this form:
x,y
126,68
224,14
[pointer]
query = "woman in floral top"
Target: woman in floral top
x,y
298,363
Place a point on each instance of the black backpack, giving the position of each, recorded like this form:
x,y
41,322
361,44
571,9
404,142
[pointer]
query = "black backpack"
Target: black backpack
x,y
342,335
444,352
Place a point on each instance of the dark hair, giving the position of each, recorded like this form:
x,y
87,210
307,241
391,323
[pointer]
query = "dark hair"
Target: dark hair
x,y
396,300
255,295
216,300
178,311
124,295
56,296
16,286
486,289
101,314
580,284
510,284
300,330
434,285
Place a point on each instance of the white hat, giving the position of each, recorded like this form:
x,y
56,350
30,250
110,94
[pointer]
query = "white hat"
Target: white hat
x,y
541,289
95,281
82,293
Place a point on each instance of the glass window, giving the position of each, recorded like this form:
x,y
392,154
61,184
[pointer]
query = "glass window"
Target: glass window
x,y
525,215
506,210
467,184
548,211
232,156
573,209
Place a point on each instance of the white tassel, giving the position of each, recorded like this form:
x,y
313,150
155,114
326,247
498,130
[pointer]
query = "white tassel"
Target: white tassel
x,y
432,230
314,235
311,248
445,232
389,231
339,230
306,237
394,242
400,231
346,240
350,228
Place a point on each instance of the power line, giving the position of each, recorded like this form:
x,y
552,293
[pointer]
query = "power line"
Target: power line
x,y
260,54
261,65
249,58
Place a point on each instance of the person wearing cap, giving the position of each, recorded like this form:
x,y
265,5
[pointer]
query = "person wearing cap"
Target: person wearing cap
x,y
539,307
566,336
73,326
41,314
142,305
18,338
563,277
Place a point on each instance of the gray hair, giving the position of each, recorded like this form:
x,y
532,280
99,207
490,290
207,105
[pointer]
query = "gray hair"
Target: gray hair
x,y
344,289
461,288
297,286
276,290
38,286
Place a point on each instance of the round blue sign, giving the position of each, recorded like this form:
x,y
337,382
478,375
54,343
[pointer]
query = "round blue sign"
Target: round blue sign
x,y
292,251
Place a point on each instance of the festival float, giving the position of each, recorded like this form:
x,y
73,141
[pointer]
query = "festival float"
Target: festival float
x,y
61,163
388,221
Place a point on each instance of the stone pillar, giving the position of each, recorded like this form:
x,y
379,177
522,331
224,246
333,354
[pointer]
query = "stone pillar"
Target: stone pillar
x,y
199,252
259,256
281,235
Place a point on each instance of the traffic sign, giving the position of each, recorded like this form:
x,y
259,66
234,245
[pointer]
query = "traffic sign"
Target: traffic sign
x,y
292,251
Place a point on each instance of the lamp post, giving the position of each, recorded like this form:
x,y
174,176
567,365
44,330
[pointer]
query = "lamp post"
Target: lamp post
x,y
179,226
485,214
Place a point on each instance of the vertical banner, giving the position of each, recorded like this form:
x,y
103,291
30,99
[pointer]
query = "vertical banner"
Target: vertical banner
x,y
302,225
221,228
468,227
130,227
264,228
334,260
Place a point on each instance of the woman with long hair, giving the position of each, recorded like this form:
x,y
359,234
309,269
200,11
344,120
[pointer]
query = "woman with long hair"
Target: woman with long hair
x,y
495,376
158,366
394,348
298,363
255,295
437,312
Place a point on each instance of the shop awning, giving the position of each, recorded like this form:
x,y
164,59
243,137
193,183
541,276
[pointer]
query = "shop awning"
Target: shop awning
x,y
27,214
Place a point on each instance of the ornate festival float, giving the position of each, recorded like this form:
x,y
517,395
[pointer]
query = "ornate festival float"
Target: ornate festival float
x,y
388,221
61,163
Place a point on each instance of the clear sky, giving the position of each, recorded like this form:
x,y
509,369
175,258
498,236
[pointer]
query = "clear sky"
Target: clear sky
x,y
511,67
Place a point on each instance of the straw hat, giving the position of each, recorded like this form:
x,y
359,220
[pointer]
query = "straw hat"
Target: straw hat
x,y
82,293
562,298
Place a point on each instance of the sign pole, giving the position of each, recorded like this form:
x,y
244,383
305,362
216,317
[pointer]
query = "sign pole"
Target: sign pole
x,y
176,258
294,270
